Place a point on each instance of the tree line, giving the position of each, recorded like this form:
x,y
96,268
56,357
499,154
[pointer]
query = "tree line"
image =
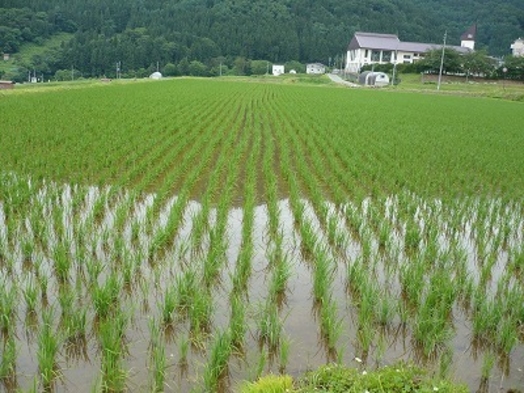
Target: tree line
x,y
141,34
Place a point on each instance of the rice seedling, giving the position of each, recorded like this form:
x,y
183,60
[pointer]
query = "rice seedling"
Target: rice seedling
x,y
30,291
75,334
105,296
168,307
201,311
330,327
217,365
8,308
48,347
158,357
283,358
8,364
237,323
270,327
112,347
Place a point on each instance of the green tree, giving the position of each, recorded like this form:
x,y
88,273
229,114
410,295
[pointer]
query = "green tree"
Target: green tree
x,y
241,66
514,66
259,67
478,63
197,68
170,70
183,66
295,65
432,59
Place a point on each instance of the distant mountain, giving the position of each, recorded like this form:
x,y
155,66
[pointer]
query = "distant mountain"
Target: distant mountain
x,y
143,33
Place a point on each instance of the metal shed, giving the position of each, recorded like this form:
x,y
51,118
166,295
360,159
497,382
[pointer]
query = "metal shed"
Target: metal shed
x,y
373,78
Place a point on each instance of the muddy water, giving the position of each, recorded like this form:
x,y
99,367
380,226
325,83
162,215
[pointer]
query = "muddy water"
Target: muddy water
x,y
300,322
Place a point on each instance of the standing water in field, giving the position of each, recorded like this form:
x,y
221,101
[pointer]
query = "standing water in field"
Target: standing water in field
x,y
160,293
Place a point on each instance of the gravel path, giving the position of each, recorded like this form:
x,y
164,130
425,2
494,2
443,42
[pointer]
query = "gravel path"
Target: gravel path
x,y
338,79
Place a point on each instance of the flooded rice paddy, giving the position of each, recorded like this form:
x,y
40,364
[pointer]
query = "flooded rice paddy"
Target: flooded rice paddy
x,y
101,288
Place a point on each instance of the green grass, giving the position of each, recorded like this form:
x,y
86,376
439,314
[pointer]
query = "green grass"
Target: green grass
x,y
399,378
391,379
509,90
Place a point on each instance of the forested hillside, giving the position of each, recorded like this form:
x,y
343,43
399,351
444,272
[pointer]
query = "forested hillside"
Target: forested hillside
x,y
199,35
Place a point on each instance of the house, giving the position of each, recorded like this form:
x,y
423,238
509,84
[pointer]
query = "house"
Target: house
x,y
315,68
374,48
6,56
517,48
278,69
5,85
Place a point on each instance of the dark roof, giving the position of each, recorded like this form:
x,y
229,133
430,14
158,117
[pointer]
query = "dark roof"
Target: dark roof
x,y
373,41
470,34
392,42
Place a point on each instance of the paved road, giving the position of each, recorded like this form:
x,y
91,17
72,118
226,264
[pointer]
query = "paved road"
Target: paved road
x,y
337,79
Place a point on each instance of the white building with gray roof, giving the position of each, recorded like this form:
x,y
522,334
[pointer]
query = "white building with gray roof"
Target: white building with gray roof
x,y
374,48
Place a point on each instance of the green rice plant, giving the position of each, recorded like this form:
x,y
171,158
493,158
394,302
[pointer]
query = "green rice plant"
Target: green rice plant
x,y
217,366
330,326
283,358
74,331
507,336
281,274
323,276
168,307
158,357
66,299
201,311
385,309
260,364
105,296
270,327
30,291
62,262
237,322
94,269
8,364
183,351
8,308
48,347
186,284
488,362
112,347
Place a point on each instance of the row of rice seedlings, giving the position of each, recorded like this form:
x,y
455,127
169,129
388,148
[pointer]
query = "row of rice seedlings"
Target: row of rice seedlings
x,y
47,352
158,367
164,236
200,221
8,359
216,369
433,325
243,265
218,239
270,327
8,308
113,348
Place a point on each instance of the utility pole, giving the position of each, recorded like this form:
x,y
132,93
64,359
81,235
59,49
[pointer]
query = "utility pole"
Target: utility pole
x,y
442,60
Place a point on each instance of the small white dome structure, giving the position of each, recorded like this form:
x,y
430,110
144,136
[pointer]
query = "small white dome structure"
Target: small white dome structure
x,y
155,75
